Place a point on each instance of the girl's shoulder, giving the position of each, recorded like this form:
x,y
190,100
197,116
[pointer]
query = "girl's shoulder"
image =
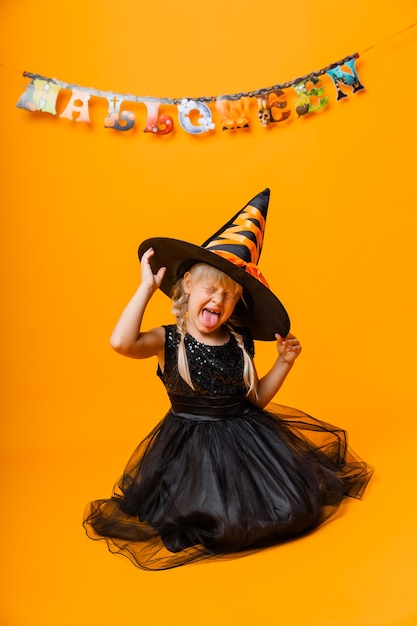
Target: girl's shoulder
x,y
172,336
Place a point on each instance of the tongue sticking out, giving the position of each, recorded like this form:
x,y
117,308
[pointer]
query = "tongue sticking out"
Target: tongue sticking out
x,y
210,319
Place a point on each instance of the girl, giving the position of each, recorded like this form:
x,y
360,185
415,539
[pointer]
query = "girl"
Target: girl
x,y
219,474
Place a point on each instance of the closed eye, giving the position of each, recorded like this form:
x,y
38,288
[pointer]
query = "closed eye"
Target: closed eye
x,y
227,294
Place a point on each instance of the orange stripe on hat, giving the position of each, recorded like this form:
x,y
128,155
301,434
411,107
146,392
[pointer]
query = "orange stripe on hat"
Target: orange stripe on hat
x,y
233,234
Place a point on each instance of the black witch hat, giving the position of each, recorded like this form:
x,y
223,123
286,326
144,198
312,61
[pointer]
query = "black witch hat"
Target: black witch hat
x,y
235,250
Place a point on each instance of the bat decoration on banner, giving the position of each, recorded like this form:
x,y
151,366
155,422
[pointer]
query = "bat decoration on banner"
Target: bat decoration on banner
x,y
301,96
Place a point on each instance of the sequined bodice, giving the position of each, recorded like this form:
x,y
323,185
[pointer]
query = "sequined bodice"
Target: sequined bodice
x,y
214,370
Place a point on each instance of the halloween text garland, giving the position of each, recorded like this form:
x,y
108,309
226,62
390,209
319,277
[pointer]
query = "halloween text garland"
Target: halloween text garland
x,y
195,115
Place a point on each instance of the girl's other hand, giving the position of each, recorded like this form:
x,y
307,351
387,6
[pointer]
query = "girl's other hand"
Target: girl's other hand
x,y
289,348
149,279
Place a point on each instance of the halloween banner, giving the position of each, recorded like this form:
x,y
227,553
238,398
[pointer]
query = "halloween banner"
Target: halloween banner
x,y
267,106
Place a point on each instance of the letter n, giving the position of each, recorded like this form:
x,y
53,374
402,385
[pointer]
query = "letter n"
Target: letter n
x,y
347,79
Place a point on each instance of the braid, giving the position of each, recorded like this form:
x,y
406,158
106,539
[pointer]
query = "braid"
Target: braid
x,y
249,374
179,309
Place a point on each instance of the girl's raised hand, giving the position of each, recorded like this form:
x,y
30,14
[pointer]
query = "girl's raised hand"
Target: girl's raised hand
x,y
149,279
288,348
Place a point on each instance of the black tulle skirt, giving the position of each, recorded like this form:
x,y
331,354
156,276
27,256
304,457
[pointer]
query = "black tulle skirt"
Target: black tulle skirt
x,y
223,484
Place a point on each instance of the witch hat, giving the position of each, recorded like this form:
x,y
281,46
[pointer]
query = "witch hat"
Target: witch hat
x,y
235,250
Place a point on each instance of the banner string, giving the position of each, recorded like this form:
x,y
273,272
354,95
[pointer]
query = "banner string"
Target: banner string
x,y
237,96
12,69
400,32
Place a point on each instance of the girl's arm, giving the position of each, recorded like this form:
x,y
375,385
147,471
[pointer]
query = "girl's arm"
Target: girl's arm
x,y
127,338
288,350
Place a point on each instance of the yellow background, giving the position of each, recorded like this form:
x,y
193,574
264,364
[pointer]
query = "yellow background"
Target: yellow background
x,y
340,251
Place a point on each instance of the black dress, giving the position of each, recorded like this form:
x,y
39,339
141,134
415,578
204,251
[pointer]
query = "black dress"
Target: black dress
x,y
218,475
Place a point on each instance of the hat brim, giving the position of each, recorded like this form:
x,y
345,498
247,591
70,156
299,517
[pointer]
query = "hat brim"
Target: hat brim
x,y
265,315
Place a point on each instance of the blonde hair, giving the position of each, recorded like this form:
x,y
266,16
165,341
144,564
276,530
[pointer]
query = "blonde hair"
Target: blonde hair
x,y
180,309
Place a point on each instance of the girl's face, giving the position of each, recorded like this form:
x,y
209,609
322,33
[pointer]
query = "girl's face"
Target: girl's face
x,y
212,299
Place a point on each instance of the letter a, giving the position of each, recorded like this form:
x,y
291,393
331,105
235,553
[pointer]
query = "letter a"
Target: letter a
x,y
77,107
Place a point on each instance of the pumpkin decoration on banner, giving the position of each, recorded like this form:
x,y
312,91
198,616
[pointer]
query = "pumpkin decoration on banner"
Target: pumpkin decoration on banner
x,y
116,116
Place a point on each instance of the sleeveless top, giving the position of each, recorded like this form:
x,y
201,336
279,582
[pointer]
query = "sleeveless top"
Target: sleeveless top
x,y
216,371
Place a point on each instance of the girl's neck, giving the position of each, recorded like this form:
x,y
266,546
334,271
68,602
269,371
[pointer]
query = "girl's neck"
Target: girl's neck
x,y
218,338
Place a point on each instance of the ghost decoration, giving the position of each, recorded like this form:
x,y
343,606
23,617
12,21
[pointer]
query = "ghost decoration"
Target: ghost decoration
x,y
205,120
